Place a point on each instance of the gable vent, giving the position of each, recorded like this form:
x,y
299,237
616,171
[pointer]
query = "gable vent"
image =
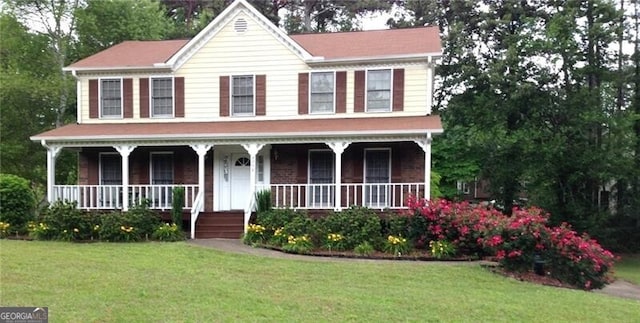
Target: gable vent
x,y
240,25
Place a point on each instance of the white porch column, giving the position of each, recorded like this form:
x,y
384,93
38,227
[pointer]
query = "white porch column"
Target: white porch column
x,y
253,150
201,150
52,153
425,144
124,151
338,148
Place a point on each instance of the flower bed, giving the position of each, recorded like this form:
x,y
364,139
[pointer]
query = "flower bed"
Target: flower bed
x,y
442,230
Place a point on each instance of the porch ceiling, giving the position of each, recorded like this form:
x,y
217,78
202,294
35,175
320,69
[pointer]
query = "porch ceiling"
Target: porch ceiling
x,y
242,131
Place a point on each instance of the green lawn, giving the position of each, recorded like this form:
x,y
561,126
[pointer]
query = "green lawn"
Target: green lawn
x,y
628,268
169,282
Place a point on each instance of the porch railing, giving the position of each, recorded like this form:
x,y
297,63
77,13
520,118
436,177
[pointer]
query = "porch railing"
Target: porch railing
x,y
322,196
94,197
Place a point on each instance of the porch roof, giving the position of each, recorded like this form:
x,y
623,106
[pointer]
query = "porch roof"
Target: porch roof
x,y
294,130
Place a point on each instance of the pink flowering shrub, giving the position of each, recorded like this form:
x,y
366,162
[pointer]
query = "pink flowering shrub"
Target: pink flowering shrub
x,y
513,241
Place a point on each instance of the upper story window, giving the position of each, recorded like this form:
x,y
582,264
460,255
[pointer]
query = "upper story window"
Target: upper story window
x,y
162,97
242,95
322,92
111,98
379,90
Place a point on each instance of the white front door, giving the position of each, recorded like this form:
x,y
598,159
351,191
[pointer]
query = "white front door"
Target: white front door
x,y
240,181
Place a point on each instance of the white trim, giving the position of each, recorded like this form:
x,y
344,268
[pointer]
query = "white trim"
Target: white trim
x,y
277,138
100,112
335,90
366,89
231,112
374,59
173,97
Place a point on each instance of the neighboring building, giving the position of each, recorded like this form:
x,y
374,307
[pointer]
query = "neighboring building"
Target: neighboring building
x,y
324,121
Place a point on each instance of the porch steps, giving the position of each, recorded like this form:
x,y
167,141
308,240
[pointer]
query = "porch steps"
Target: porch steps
x,y
227,225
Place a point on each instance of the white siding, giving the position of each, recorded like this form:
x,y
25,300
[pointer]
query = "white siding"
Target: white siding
x,y
256,52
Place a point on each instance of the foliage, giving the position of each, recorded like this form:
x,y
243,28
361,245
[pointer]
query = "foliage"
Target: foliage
x,y
177,205
64,221
17,203
396,245
168,232
356,225
334,241
515,241
298,244
255,234
4,229
364,249
442,249
263,201
102,24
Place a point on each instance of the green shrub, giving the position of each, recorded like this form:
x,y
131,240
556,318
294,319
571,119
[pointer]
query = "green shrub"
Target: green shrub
x,y
168,232
364,249
441,249
356,225
115,227
17,203
64,221
334,241
4,229
255,234
263,201
396,245
298,244
177,205
142,218
275,218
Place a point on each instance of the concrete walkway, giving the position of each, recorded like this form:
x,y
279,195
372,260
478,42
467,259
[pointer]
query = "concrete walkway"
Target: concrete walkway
x,y
618,288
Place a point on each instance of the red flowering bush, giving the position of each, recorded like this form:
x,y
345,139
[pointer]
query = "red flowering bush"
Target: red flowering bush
x,y
514,241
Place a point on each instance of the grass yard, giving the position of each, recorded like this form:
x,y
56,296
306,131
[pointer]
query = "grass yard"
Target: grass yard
x,y
174,282
628,268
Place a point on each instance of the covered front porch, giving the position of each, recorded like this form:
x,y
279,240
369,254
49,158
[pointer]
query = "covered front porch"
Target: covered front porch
x,y
221,171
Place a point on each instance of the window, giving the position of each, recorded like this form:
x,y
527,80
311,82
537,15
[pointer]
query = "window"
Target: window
x,y
110,169
111,98
377,172
322,92
162,176
463,187
242,102
379,91
260,168
321,173
110,180
162,97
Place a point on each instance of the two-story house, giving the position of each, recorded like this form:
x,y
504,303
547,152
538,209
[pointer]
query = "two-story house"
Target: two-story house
x,y
323,121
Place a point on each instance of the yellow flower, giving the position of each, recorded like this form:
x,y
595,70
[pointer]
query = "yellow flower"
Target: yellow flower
x,y
76,230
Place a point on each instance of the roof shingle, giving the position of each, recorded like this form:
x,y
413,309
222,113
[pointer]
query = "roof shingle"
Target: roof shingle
x,y
132,54
246,129
372,43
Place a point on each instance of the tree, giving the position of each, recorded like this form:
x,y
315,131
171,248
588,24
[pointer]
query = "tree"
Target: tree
x,y
28,97
328,15
102,24
524,97
55,19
